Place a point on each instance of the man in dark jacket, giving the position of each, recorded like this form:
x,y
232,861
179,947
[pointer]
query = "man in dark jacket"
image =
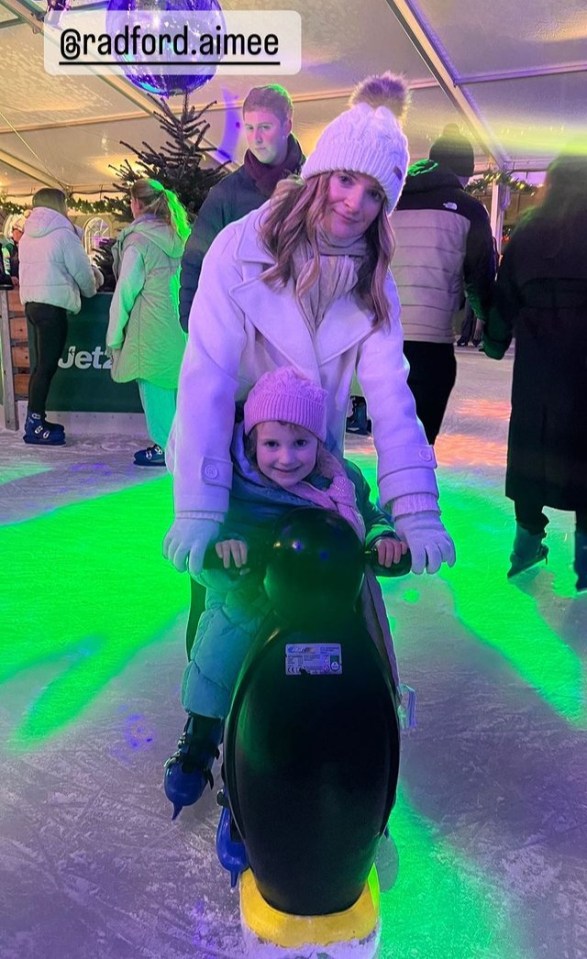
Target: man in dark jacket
x,y
444,249
273,154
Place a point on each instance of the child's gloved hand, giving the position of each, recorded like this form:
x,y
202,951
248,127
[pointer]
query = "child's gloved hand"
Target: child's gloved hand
x,y
232,549
389,550
427,539
187,541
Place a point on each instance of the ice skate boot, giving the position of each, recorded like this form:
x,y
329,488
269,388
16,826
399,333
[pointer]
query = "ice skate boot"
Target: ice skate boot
x,y
53,426
151,456
38,432
230,848
189,769
527,552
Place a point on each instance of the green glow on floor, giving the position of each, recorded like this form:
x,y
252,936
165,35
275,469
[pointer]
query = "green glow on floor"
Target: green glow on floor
x,y
440,907
84,618
503,613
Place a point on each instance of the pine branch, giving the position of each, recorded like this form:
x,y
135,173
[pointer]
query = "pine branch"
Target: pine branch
x,y
178,163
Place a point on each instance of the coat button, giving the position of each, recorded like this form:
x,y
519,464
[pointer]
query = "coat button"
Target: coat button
x,y
425,454
210,472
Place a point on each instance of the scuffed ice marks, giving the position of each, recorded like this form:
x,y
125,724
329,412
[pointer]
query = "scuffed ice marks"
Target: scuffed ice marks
x,y
491,822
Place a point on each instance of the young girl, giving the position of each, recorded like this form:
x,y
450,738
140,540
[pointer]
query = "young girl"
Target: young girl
x,y
279,462
144,334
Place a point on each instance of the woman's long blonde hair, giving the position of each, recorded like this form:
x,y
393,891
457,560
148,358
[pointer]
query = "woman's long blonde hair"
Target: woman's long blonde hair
x,y
162,203
295,213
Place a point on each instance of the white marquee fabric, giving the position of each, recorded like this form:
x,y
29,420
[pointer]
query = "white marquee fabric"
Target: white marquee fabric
x,y
513,75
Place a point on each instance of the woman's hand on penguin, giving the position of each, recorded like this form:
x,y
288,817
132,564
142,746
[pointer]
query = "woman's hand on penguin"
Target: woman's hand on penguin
x,y
427,539
186,541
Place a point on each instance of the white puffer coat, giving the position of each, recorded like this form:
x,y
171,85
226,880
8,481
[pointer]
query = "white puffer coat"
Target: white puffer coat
x,y
54,268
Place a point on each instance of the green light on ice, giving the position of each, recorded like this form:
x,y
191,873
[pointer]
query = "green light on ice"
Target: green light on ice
x,y
439,905
503,613
81,620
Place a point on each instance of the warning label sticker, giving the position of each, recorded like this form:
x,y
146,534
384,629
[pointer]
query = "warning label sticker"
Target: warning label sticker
x,y
313,659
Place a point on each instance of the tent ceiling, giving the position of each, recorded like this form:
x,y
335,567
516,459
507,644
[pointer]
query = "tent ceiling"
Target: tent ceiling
x,y
513,75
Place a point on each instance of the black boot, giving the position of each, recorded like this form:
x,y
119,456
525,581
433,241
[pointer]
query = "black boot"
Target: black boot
x,y
189,769
528,550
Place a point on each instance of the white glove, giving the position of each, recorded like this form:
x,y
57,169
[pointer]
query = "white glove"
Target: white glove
x,y
427,539
187,541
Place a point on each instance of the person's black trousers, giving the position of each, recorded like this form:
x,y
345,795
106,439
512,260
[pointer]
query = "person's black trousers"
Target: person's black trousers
x,y
49,328
433,371
529,515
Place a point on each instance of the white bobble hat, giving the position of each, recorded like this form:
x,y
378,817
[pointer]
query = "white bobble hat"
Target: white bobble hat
x,y
367,138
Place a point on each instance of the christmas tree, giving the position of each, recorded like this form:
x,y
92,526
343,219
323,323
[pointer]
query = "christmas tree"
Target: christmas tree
x,y
177,165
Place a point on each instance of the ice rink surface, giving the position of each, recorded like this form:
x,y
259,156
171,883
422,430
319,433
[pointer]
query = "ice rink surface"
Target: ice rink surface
x,y
491,819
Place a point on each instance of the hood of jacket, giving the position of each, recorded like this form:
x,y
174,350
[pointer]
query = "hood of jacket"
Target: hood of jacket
x,y
427,175
43,221
157,231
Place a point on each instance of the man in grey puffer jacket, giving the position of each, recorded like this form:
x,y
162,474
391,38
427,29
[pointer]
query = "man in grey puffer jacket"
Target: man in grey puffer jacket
x,y
444,249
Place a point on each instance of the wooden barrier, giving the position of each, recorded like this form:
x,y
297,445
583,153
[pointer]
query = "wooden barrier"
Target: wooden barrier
x,y
21,361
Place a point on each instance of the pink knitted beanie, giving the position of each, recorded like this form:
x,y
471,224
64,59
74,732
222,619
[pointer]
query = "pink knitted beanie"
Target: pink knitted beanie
x,y
284,395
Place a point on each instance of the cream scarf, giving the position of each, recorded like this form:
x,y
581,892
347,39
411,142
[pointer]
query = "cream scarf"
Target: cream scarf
x,y
339,267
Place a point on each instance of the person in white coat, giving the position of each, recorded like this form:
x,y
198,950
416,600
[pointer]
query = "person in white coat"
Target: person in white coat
x,y
304,281
54,273
144,335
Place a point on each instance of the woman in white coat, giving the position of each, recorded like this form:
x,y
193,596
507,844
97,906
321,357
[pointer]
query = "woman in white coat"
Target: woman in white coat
x,y
305,281
144,334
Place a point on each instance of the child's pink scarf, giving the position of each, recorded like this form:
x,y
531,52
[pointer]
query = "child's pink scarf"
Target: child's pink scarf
x,y
340,495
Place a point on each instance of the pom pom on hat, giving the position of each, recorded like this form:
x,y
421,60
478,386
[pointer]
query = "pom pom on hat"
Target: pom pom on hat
x,y
454,151
284,395
367,138
383,90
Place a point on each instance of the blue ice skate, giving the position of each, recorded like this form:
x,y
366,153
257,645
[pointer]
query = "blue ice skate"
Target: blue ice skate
x,y
189,769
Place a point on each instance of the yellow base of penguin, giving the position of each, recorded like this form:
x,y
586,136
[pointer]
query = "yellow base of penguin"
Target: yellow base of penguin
x,y
271,934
